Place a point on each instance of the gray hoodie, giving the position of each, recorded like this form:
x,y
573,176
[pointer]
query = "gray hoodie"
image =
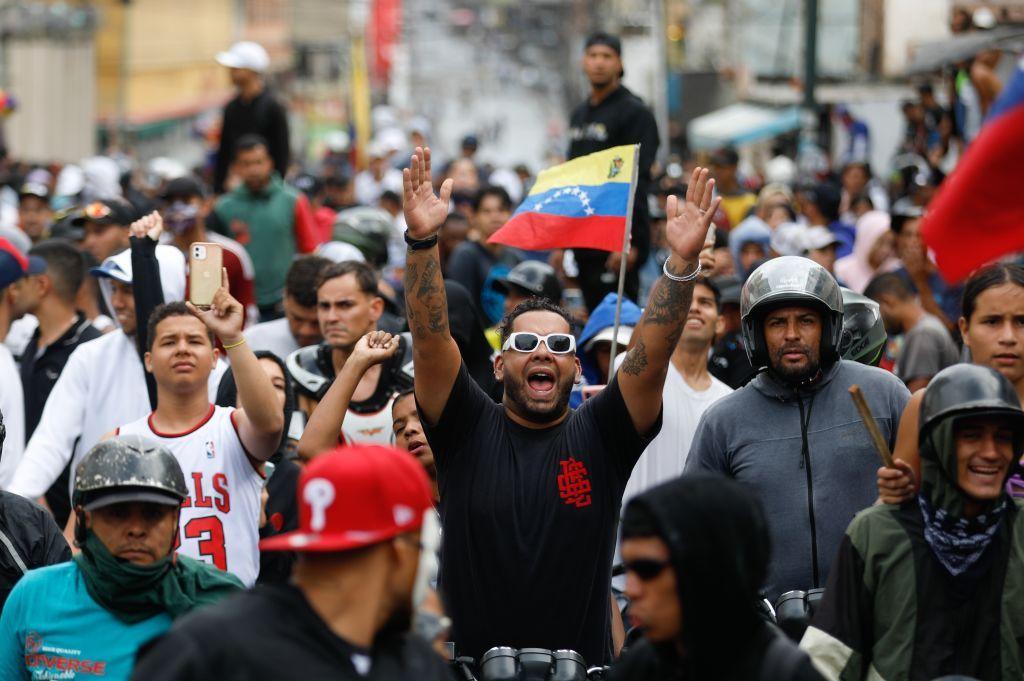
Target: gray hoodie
x,y
755,436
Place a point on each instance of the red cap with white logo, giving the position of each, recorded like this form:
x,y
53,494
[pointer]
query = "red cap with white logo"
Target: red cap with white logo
x,y
356,496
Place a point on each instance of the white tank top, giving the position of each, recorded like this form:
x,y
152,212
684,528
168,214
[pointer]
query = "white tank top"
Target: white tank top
x,y
220,518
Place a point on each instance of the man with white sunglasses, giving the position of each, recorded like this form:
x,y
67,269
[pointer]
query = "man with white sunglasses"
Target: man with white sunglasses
x,y
530,490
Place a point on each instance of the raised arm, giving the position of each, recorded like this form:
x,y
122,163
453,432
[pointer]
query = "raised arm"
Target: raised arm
x,y
642,374
147,290
898,484
435,355
321,433
259,418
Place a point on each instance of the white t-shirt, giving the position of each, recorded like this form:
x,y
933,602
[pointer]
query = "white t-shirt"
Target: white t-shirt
x,y
220,519
12,406
274,336
665,456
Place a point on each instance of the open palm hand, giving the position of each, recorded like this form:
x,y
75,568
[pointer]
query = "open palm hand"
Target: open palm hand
x,y
425,211
689,220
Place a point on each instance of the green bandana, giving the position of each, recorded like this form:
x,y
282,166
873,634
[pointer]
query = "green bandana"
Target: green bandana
x,y
133,593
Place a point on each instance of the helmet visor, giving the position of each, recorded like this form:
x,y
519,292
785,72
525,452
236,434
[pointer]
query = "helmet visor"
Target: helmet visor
x,y
125,496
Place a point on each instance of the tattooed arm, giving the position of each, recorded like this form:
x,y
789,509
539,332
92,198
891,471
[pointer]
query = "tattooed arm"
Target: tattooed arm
x,y
435,355
642,374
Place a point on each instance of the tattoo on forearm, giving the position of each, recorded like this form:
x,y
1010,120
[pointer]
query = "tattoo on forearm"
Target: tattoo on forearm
x,y
636,359
669,302
425,298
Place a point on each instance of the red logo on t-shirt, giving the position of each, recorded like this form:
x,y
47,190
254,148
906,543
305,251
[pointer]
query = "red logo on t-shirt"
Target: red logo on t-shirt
x,y
574,483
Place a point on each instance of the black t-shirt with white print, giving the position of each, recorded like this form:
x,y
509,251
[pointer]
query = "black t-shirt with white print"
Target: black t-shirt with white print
x,y
529,520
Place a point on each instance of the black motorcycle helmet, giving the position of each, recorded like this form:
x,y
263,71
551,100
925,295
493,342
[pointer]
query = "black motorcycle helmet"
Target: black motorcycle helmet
x,y
863,338
122,469
534,279
971,390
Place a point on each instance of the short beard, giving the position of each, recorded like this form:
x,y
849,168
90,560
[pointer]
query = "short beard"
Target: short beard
x,y
797,376
515,391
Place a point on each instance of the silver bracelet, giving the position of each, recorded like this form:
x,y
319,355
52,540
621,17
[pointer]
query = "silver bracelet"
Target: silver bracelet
x,y
689,277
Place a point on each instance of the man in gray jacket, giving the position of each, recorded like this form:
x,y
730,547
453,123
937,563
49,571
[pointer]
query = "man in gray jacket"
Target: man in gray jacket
x,y
793,435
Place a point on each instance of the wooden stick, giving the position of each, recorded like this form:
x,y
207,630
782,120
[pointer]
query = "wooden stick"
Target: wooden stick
x,y
869,422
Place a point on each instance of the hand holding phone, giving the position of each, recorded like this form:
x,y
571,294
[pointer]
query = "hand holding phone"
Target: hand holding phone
x,y
205,261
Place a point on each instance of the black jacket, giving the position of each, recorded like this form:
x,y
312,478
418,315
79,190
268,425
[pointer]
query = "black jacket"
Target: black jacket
x,y
40,374
273,633
29,539
263,116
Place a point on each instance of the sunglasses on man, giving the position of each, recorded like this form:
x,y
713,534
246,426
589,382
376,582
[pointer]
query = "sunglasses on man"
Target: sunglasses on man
x,y
646,569
527,341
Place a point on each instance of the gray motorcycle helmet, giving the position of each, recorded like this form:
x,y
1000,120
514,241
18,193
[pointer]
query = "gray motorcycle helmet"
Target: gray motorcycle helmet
x,y
790,280
128,468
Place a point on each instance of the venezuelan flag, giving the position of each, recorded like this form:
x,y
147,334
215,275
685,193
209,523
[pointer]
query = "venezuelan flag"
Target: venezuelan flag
x,y
583,203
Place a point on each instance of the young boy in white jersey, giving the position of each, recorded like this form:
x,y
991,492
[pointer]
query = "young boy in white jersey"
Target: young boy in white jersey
x,y
220,449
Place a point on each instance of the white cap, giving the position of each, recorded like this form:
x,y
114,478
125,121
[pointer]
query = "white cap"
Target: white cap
x,y
245,55
819,237
789,238
337,141
607,333
339,251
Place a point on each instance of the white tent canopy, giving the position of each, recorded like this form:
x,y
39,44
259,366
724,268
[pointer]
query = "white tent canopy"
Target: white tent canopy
x,y
739,124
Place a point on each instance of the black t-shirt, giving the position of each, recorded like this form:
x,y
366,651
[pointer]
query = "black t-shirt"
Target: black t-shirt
x,y
263,115
273,633
470,263
529,520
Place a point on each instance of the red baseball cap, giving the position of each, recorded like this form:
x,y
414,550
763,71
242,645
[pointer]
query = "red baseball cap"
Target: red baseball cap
x,y
356,496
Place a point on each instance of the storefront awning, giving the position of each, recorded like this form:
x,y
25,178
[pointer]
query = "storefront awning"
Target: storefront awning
x,y
739,124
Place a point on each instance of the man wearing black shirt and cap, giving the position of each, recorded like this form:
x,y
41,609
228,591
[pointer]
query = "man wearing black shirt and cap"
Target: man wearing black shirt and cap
x,y
530,490
254,111
612,116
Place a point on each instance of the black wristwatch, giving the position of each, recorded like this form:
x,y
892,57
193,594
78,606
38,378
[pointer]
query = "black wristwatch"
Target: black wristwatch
x,y
420,244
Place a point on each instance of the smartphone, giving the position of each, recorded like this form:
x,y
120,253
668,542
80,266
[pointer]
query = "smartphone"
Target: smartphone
x,y
205,261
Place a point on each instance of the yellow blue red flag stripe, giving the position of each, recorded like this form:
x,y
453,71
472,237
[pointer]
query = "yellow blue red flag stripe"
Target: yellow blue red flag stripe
x,y
583,203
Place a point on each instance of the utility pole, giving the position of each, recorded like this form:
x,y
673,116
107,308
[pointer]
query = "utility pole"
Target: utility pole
x,y
810,54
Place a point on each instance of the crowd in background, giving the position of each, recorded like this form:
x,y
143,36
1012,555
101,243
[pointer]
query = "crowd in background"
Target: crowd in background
x,y
318,309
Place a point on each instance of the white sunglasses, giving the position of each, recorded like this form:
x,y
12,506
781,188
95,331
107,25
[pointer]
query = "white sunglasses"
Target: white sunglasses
x,y
528,341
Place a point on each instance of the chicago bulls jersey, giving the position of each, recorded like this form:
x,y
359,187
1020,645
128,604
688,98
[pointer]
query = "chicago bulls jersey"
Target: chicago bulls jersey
x,y
220,518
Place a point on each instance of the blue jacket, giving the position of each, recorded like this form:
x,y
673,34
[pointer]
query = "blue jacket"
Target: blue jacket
x,y
601,318
751,230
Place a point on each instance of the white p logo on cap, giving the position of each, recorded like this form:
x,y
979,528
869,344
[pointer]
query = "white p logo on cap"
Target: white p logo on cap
x,y
319,494
403,514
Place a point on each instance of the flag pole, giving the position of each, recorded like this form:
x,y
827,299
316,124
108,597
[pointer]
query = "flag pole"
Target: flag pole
x,y
622,263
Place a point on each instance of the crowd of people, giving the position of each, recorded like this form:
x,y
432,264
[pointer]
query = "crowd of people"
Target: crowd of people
x,y
386,445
